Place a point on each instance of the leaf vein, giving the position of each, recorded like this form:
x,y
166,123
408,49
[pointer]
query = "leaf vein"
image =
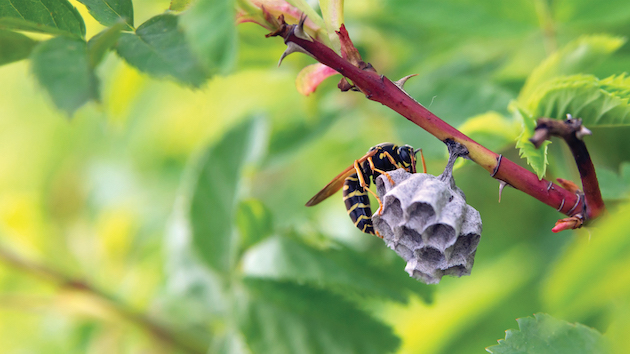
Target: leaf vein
x,y
16,10
49,13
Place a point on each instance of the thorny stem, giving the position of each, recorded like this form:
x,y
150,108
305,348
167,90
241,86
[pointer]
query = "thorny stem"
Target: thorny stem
x,y
572,131
381,89
158,331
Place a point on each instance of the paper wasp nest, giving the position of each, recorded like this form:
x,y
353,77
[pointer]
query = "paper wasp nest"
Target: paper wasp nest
x,y
427,222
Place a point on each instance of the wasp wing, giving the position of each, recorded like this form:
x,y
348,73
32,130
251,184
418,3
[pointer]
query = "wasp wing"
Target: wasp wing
x,y
337,182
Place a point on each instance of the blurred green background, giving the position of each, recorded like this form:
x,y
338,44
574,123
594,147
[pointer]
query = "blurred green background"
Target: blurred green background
x,y
97,197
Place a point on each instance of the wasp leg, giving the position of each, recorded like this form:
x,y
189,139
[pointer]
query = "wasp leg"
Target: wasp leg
x,y
379,211
357,168
365,186
393,161
390,158
391,181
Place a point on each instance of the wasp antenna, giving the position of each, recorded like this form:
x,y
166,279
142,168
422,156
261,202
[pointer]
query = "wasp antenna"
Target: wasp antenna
x,y
292,48
299,29
400,83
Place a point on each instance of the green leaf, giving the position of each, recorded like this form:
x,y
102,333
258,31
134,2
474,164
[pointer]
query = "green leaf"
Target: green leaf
x,y
341,270
47,16
592,275
295,134
179,5
612,185
214,201
110,12
101,43
536,158
581,14
159,48
62,67
289,318
597,102
304,7
192,292
577,56
254,221
14,46
210,28
492,130
544,334
332,12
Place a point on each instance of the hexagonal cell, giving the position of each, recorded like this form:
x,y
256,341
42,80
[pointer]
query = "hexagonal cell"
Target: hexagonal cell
x,y
465,245
413,235
431,276
439,236
404,252
393,211
457,270
430,258
384,229
420,208
427,222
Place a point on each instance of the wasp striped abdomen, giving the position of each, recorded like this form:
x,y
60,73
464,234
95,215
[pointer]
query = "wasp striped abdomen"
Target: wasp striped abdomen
x,y
356,179
358,204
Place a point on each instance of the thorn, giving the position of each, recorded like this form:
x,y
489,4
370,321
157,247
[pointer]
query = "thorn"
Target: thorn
x,y
577,123
583,132
502,185
400,83
367,67
550,186
298,31
292,48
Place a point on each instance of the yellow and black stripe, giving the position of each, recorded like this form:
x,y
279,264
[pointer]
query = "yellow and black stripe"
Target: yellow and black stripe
x,y
358,204
356,179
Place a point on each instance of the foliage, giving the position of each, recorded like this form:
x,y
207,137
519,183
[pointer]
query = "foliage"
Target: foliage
x,y
158,48
110,12
167,215
545,334
552,91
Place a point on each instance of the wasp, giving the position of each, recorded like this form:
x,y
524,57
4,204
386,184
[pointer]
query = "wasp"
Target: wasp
x,y
355,181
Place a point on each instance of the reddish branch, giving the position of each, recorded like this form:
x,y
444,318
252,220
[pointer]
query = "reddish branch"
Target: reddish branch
x,y
572,131
381,89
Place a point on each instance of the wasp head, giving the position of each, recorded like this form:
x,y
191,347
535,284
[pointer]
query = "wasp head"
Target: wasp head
x,y
408,157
